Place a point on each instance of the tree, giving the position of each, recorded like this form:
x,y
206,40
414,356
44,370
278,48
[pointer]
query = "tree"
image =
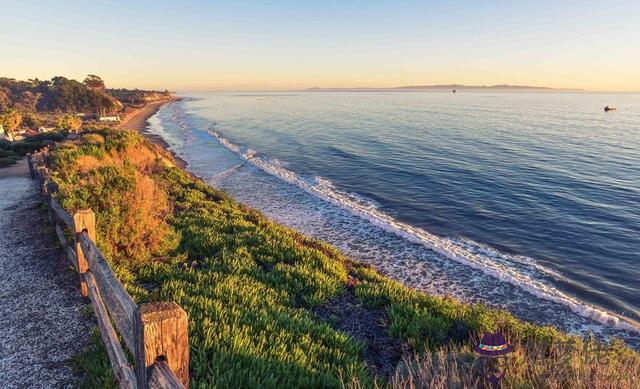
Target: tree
x,y
5,100
94,82
70,123
11,120
31,120
28,101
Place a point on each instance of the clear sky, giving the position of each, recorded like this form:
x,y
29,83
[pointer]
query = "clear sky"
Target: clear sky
x,y
232,45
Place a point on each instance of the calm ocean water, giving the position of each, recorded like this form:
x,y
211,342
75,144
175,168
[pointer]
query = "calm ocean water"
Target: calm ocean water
x,y
528,201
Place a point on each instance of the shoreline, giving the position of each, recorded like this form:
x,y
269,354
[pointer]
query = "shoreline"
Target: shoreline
x,y
146,112
357,295
565,311
138,121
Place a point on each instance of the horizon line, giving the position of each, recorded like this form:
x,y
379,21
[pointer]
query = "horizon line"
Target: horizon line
x,y
399,90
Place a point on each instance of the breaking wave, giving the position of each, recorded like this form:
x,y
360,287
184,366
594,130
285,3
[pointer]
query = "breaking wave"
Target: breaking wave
x,y
520,271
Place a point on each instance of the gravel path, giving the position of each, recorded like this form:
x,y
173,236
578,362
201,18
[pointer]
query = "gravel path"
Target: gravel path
x,y
41,326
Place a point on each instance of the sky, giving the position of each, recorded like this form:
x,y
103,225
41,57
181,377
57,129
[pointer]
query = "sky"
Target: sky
x,y
273,45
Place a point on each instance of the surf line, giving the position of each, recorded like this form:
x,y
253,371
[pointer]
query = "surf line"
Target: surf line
x,y
228,172
446,247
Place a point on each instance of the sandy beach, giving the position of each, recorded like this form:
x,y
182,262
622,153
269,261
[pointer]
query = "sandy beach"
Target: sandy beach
x,y
137,120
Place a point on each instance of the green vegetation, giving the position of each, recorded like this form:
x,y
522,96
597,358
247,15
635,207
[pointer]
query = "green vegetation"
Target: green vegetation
x,y
253,289
60,103
138,96
11,152
93,365
69,123
10,121
58,94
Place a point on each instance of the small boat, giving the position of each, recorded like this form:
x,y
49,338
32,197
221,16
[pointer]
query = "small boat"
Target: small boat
x,y
454,91
609,108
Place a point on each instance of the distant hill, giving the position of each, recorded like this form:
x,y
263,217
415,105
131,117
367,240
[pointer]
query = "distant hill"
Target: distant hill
x,y
443,87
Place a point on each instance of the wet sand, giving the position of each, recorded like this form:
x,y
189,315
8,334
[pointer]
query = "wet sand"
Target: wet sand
x,y
138,120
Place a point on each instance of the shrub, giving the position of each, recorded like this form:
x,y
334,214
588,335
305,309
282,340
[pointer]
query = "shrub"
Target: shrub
x,y
582,364
130,206
69,122
93,138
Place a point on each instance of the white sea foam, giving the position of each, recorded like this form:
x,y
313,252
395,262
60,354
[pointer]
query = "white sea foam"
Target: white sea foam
x,y
213,180
521,271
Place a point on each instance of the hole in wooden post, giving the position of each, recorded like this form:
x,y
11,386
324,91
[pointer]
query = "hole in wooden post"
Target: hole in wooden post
x,y
161,333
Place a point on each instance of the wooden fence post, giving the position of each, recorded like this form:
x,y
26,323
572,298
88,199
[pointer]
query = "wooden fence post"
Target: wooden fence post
x,y
44,187
41,169
32,173
161,332
84,220
51,189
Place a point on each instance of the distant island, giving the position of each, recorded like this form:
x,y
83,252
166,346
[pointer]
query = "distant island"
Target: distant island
x,y
447,87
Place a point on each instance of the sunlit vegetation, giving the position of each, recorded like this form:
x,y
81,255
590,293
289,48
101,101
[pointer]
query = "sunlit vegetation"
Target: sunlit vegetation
x,y
254,289
57,94
137,96
69,123
32,106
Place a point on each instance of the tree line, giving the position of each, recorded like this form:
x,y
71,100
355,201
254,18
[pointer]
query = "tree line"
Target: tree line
x,y
59,94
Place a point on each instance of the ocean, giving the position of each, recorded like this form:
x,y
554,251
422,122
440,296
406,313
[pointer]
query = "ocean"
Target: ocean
x,y
524,201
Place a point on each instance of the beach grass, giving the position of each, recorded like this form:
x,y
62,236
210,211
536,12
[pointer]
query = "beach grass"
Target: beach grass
x,y
271,307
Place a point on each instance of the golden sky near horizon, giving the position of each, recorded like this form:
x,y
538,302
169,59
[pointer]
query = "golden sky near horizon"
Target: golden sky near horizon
x,y
248,45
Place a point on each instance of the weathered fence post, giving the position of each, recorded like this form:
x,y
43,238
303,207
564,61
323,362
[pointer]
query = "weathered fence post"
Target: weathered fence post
x,y
32,173
51,187
41,169
44,186
161,332
84,220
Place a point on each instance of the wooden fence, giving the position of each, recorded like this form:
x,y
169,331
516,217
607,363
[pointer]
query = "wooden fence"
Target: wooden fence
x,y
154,333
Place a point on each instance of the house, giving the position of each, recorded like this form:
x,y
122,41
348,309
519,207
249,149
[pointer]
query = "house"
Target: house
x,y
109,118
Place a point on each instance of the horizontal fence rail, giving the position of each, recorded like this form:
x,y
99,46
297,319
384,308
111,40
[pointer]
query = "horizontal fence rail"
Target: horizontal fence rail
x,y
122,370
121,306
63,215
156,334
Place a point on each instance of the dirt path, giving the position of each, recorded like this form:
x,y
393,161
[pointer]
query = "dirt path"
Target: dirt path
x,y
41,325
20,169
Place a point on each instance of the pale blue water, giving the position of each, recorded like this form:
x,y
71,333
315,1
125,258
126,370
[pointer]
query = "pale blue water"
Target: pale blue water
x,y
529,201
